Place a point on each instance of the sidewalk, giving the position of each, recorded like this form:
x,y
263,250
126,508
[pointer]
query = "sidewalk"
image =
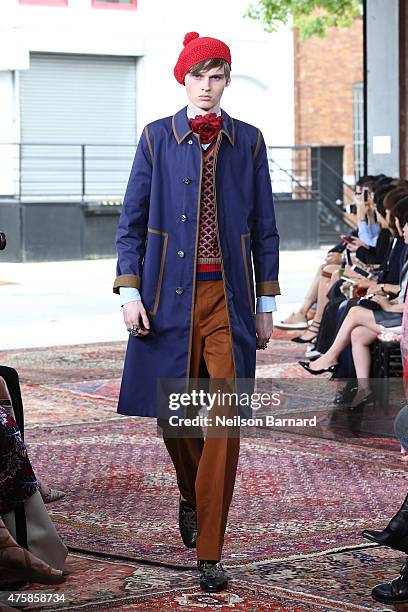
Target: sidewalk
x,y
71,302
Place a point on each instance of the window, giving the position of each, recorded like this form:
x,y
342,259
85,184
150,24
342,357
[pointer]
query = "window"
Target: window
x,y
358,129
45,2
115,4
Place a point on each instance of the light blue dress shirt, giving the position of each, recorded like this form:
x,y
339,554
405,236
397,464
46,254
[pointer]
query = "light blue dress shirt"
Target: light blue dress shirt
x,y
264,303
368,232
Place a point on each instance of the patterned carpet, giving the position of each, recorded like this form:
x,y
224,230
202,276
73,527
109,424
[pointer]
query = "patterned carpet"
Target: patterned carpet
x,y
292,541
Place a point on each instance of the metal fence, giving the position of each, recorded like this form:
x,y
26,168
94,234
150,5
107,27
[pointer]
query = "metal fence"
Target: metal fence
x,y
74,171
101,171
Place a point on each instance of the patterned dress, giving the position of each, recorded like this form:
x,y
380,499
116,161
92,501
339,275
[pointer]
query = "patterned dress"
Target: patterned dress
x,y
17,479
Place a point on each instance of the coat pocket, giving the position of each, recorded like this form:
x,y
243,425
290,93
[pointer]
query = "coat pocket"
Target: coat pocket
x,y
153,268
246,256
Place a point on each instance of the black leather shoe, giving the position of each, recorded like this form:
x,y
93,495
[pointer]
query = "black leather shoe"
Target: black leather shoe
x,y
395,591
188,524
395,535
346,395
306,366
212,576
362,398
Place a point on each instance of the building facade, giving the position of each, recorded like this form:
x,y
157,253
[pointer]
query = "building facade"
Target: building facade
x,y
329,107
80,78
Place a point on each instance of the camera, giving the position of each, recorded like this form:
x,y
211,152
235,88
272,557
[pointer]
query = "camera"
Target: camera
x,y
3,241
350,208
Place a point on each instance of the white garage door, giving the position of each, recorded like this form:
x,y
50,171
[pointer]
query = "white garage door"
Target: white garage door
x,y
78,124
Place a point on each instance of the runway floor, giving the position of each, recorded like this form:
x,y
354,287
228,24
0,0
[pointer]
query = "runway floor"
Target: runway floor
x,y
302,497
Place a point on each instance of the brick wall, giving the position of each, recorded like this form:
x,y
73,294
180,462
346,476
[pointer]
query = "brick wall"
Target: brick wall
x,y
325,70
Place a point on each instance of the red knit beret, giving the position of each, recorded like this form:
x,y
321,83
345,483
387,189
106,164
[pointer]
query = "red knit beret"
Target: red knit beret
x,y
198,49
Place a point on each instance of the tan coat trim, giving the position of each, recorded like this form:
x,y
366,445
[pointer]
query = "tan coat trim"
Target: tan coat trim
x,y
247,277
127,280
222,264
190,341
176,136
267,288
258,145
159,282
149,144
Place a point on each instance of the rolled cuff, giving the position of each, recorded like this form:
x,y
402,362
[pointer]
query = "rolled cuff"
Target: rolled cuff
x,y
126,280
265,303
129,294
267,288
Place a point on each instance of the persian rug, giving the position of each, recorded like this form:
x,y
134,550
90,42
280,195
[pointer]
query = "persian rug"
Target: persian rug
x,y
293,540
337,581
89,376
66,363
306,494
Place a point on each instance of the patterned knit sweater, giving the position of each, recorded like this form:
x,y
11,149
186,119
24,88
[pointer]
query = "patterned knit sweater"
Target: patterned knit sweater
x,y
209,259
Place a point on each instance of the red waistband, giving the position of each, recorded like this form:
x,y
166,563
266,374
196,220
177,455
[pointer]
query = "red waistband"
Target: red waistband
x,y
203,267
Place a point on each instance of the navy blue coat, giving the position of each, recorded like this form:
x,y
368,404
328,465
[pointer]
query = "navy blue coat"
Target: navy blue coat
x,y
159,223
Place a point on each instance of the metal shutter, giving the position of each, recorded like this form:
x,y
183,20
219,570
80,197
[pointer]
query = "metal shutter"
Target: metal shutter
x,y
76,100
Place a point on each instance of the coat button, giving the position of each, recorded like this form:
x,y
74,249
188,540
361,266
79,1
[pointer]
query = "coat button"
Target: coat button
x,y
181,253
183,218
190,142
186,181
179,290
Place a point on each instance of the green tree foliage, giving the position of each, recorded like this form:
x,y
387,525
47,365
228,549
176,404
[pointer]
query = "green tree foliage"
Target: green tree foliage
x,y
312,17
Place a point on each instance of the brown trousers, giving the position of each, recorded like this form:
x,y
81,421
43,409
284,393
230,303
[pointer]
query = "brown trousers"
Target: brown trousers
x,y
206,468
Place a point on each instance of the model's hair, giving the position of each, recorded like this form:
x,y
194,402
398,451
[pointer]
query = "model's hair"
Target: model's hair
x,y
379,195
400,211
392,198
212,63
366,181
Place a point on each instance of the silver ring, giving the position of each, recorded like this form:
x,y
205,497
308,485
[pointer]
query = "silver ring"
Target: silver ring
x,y
134,330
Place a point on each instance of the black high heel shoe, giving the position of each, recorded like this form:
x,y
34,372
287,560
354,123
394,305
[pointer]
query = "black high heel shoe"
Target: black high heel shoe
x,y
306,366
360,400
395,534
313,327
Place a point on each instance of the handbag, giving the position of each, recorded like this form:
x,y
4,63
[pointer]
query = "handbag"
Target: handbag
x,y
367,303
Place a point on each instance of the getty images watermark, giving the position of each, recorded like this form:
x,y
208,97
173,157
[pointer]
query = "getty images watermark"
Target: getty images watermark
x,y
220,406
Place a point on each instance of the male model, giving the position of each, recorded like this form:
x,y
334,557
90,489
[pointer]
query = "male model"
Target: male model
x,y
198,211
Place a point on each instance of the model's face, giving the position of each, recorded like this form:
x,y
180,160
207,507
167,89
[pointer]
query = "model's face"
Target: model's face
x,y
205,90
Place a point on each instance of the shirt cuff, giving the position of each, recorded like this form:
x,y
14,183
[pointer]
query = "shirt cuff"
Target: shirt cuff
x,y
129,294
265,303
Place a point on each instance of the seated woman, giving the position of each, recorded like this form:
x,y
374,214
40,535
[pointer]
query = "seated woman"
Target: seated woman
x,y
388,275
361,327
328,275
362,226
11,380
18,485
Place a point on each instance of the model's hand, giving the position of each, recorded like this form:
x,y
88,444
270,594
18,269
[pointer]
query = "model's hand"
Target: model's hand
x,y
264,327
134,313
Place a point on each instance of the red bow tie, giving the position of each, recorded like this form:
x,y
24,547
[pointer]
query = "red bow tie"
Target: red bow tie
x,y
207,126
